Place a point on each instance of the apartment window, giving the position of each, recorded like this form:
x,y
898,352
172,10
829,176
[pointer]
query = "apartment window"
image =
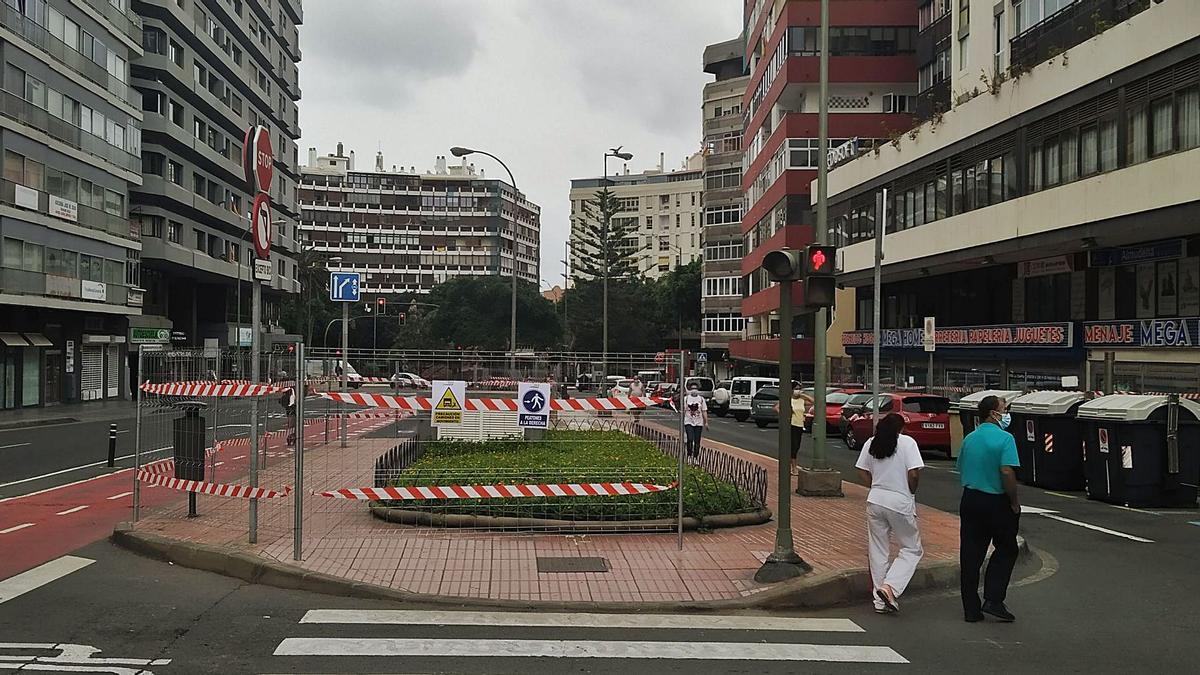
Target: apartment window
x,y
1187,114
153,163
1137,130
152,226
1089,150
721,179
899,103
1069,147
14,167
154,40
996,184
174,231
723,323
1161,126
1108,144
722,287
175,52
176,109
201,240
1035,168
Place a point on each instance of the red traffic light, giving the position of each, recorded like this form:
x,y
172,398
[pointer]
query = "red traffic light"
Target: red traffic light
x,y
381,302
819,260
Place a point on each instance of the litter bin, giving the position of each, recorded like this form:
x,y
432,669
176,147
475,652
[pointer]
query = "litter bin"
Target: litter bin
x,y
1048,441
1126,455
966,408
189,438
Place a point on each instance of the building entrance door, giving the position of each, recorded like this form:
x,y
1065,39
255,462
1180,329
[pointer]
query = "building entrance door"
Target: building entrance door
x,y
53,376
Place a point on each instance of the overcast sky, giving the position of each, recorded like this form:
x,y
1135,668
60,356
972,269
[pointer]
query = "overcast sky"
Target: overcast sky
x,y
546,85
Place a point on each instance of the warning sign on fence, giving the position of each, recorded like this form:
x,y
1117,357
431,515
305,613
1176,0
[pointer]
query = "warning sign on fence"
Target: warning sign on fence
x,y
448,399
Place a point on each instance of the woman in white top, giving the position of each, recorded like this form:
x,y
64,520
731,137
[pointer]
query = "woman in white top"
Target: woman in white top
x,y
891,463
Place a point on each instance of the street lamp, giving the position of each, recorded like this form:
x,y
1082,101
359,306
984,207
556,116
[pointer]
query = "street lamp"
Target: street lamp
x,y
783,266
607,213
459,151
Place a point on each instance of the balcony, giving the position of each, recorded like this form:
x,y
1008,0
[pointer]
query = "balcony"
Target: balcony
x,y
25,282
1070,26
86,216
16,108
41,38
765,349
935,99
125,20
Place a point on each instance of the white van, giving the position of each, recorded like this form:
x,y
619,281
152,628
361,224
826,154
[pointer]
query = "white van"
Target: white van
x,y
741,390
329,368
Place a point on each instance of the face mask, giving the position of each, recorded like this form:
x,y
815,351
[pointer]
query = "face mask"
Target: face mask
x,y
1005,420
795,394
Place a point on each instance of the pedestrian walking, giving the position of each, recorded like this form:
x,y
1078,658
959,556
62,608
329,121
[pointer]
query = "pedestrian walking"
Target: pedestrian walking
x,y
636,388
695,418
891,464
990,512
799,409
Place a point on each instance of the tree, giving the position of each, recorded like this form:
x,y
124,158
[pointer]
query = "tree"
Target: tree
x,y
678,298
602,245
473,312
309,311
633,316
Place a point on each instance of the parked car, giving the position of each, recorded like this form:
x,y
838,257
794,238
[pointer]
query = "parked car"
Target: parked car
x,y
854,405
762,406
719,403
834,401
742,391
413,380
620,387
926,419
703,384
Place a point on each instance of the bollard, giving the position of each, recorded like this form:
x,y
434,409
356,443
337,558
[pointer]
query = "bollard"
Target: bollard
x,y
112,444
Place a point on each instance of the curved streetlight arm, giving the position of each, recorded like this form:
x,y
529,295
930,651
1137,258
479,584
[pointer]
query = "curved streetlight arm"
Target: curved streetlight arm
x,y
329,325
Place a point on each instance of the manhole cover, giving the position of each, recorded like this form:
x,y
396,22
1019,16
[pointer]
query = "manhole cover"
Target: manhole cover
x,y
552,565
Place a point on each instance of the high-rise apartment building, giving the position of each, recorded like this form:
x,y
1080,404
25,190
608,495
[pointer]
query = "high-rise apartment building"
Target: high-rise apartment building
x,y
662,210
1048,216
406,232
872,95
721,292
211,69
71,131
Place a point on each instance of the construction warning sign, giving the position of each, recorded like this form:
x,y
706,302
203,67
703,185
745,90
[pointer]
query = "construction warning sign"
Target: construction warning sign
x,y
448,399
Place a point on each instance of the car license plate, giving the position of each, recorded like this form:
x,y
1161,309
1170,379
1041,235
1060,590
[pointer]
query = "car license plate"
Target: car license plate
x,y
933,425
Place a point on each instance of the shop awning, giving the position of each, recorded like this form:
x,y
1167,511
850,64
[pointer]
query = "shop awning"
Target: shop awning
x,y
38,340
13,340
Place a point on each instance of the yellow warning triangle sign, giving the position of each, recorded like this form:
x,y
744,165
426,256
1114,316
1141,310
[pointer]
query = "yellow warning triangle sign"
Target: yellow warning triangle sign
x,y
448,402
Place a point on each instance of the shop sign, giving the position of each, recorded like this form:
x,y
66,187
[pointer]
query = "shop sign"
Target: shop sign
x,y
1020,335
70,360
93,290
149,336
1044,266
1160,250
1155,333
64,208
841,153
25,197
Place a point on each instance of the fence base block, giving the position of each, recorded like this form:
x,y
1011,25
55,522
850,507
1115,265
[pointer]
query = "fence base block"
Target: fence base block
x,y
819,483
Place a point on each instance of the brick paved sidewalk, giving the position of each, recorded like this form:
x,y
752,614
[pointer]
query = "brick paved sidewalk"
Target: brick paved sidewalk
x,y
342,539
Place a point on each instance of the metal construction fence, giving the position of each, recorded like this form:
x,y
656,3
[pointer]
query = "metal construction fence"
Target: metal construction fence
x,y
296,468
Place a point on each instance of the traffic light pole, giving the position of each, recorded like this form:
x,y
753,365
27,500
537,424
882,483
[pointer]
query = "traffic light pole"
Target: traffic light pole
x,y
820,480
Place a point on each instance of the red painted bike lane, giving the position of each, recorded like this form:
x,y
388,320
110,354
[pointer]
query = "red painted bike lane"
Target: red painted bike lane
x,y
45,525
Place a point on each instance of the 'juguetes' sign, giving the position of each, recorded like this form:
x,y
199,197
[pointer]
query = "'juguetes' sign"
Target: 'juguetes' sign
x,y
1005,335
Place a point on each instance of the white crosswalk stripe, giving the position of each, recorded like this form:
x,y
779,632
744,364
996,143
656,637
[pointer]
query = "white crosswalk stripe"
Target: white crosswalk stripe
x,y
748,635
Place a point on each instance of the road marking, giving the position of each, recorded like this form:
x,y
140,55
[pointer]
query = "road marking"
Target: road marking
x,y
71,658
239,457
14,445
1059,494
123,494
74,510
1130,508
1194,522
14,528
577,620
145,453
578,649
40,576
1053,515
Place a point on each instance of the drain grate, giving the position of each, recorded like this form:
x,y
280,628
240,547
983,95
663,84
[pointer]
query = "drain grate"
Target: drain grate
x,y
567,565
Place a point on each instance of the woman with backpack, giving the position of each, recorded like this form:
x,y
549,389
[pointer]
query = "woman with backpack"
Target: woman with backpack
x,y
890,463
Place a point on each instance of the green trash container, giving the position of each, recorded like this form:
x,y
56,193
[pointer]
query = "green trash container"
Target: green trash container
x,y
967,406
1048,439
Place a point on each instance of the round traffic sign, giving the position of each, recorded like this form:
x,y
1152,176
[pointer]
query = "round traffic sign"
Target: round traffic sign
x,y
260,225
264,159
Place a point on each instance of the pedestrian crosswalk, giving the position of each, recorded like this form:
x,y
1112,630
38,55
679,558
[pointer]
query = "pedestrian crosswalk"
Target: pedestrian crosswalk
x,y
440,641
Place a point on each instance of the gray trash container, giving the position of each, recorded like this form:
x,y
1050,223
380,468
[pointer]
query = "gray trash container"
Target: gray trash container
x,y
966,408
1126,456
1048,440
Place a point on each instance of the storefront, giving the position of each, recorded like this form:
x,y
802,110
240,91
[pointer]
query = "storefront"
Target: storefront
x,y
1152,355
26,376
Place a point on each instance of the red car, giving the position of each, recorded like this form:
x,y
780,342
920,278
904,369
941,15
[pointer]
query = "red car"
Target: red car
x,y
833,409
926,419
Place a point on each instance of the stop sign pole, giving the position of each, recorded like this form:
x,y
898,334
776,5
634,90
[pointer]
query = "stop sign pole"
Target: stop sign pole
x,y
258,162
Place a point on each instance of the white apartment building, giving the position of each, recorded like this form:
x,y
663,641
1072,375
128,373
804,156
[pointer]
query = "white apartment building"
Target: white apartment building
x,y
665,206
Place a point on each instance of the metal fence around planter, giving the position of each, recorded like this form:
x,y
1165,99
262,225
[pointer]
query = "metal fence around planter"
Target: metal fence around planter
x,y
749,478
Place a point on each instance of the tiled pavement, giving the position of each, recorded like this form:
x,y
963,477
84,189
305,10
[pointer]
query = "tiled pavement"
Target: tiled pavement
x,y
343,539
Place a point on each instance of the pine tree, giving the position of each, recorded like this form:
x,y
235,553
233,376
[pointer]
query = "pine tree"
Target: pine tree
x,y
605,246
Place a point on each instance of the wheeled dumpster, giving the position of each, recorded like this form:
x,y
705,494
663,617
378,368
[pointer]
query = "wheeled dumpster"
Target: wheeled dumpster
x,y
1136,455
1048,439
964,422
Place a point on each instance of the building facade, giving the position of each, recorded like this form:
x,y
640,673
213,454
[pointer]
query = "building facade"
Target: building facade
x,y
71,132
209,70
721,235
873,85
406,232
1047,219
663,210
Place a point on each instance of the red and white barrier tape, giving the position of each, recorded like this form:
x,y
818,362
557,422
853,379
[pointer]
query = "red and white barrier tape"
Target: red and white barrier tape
x,y
210,389
493,404
215,489
495,491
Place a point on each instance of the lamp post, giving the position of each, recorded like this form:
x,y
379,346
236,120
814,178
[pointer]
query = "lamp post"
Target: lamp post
x,y
607,214
458,151
678,307
783,266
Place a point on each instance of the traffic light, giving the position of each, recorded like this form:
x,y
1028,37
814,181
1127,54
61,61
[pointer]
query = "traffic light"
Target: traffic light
x,y
819,270
382,303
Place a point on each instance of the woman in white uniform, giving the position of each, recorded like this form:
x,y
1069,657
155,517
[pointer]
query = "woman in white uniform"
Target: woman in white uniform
x,y
891,463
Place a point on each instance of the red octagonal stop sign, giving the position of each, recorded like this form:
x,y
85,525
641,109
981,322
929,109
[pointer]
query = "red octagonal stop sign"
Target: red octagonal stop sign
x,y
264,159
260,225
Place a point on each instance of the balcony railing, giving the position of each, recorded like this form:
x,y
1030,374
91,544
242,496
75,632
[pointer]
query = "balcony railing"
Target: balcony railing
x,y
25,282
17,108
27,28
89,217
124,19
1070,26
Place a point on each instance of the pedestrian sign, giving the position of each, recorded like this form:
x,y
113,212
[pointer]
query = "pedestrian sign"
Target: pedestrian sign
x,y
448,399
344,286
534,405
701,357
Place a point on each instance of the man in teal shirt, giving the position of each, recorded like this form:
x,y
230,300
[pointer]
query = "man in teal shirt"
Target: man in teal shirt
x,y
989,512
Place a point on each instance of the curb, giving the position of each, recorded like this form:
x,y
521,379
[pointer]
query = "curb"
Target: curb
x,y
415,518
814,591
44,422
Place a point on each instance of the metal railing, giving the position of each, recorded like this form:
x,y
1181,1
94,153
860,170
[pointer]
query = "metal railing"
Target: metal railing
x,y
124,19
17,108
749,478
88,216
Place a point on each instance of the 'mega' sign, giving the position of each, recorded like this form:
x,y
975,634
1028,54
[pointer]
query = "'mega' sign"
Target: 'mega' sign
x,y
1006,335
1147,333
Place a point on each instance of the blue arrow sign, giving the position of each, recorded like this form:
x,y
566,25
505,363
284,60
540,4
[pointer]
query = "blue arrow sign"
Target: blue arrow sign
x,y
343,286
